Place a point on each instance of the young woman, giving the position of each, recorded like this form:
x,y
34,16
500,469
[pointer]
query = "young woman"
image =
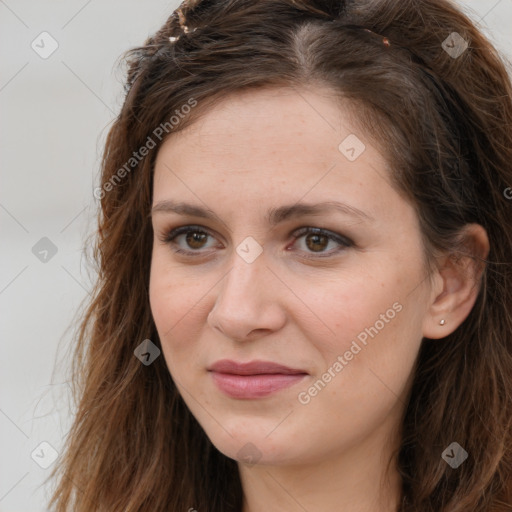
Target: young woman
x,y
304,297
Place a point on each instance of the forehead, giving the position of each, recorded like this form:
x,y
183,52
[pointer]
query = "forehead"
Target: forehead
x,y
268,126
278,145
264,112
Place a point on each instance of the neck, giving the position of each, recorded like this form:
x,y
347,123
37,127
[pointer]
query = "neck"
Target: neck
x,y
352,479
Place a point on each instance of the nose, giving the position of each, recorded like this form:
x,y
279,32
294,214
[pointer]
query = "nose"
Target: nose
x,y
248,304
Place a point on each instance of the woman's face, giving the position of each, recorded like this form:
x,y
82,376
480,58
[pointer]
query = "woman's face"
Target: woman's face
x,y
344,315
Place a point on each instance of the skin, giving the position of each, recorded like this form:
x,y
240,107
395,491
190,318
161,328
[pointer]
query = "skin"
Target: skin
x,y
259,150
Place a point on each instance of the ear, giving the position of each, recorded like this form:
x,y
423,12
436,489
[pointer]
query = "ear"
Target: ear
x,y
457,283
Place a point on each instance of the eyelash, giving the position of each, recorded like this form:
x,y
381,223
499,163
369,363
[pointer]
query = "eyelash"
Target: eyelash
x,y
169,237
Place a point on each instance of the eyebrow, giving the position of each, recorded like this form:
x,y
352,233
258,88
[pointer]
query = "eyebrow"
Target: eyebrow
x,y
274,215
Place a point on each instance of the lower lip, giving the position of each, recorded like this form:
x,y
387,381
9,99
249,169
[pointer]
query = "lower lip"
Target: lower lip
x,y
254,386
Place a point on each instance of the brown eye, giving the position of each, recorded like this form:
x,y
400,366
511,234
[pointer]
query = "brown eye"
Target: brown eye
x,y
316,242
318,239
196,239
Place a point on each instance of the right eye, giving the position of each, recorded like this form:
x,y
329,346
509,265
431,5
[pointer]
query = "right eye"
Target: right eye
x,y
193,236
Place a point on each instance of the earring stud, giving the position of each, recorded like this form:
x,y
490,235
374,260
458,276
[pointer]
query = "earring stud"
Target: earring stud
x,y
442,322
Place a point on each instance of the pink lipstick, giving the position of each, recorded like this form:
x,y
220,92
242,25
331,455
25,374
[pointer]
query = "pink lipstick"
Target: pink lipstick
x,y
255,379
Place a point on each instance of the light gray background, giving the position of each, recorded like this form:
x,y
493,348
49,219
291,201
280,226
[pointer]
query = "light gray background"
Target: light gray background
x,y
55,114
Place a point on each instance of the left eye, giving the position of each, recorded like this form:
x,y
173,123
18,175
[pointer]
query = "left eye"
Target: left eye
x,y
316,239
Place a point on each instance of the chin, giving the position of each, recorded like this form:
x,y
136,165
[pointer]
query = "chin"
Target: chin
x,y
251,447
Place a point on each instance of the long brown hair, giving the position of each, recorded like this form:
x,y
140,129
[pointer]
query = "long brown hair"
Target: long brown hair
x,y
444,121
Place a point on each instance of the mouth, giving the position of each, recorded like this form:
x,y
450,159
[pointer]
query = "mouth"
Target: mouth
x,y
255,379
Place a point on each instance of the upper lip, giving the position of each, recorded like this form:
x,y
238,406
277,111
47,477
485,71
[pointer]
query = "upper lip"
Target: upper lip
x,y
252,368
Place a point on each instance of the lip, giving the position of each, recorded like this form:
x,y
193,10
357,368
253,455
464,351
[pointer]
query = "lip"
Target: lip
x,y
256,367
255,379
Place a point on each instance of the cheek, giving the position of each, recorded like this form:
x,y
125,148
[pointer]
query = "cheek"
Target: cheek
x,y
172,292
371,320
365,366
350,303
178,305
